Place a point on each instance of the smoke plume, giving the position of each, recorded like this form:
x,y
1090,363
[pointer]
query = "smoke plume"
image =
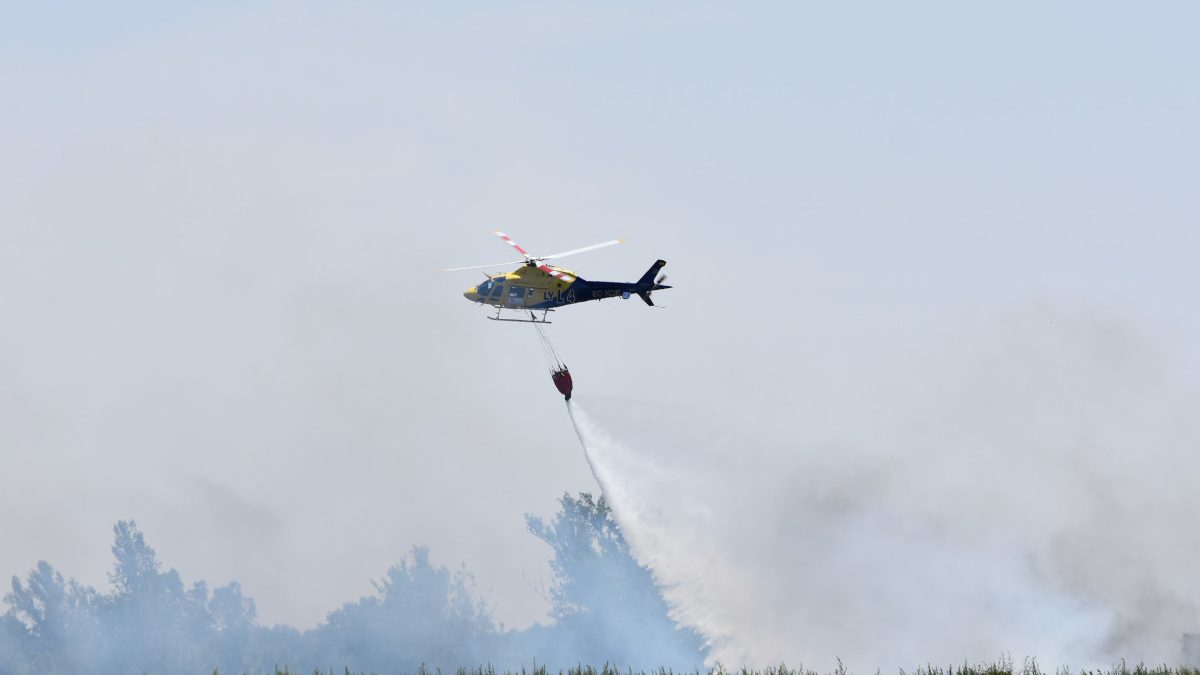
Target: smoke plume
x,y
1041,506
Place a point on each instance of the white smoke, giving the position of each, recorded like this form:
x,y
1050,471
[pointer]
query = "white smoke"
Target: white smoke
x,y
1045,507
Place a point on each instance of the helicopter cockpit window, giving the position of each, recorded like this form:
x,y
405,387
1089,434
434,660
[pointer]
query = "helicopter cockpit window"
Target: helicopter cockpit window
x,y
496,288
489,287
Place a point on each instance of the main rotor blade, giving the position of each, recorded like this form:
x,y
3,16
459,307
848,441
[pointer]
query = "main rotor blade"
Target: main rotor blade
x,y
515,245
479,267
593,247
556,274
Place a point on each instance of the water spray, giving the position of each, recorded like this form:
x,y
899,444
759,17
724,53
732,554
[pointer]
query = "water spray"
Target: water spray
x,y
587,455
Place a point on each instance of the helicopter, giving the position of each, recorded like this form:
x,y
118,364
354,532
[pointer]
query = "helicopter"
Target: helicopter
x,y
536,286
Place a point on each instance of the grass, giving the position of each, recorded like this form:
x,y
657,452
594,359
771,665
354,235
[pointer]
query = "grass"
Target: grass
x,y
1004,666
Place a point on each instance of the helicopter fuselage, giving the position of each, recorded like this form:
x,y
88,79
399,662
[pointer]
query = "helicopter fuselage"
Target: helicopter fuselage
x,y
531,288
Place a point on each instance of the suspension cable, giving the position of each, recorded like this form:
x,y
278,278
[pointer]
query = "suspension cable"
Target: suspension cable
x,y
551,354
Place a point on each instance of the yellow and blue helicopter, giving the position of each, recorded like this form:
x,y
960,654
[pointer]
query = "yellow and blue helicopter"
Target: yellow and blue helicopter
x,y
536,286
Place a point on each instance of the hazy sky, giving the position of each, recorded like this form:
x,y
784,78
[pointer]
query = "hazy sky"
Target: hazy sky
x,y
222,225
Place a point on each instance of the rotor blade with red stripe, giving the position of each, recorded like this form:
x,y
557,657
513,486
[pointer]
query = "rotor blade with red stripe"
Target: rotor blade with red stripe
x,y
515,245
556,274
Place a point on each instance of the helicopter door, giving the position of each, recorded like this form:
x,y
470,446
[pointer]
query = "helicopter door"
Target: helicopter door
x,y
516,295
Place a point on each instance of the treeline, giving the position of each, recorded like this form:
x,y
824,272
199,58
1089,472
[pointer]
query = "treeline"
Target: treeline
x,y
606,609
1004,666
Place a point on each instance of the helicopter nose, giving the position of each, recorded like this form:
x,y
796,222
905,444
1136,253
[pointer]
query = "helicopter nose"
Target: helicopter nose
x,y
472,294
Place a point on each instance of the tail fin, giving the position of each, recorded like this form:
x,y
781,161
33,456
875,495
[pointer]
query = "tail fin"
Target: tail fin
x,y
646,298
648,277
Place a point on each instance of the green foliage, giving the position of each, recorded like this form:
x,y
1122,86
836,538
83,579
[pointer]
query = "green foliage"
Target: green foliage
x,y
420,613
586,540
607,609
606,606
1002,666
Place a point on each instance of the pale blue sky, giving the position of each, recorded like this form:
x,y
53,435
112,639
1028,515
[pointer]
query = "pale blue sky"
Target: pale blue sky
x,y
221,225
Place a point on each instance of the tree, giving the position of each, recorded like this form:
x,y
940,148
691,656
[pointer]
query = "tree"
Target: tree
x,y
606,606
57,617
606,609
14,645
150,620
136,568
420,614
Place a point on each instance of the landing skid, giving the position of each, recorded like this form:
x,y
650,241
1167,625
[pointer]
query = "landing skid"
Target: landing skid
x,y
532,317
